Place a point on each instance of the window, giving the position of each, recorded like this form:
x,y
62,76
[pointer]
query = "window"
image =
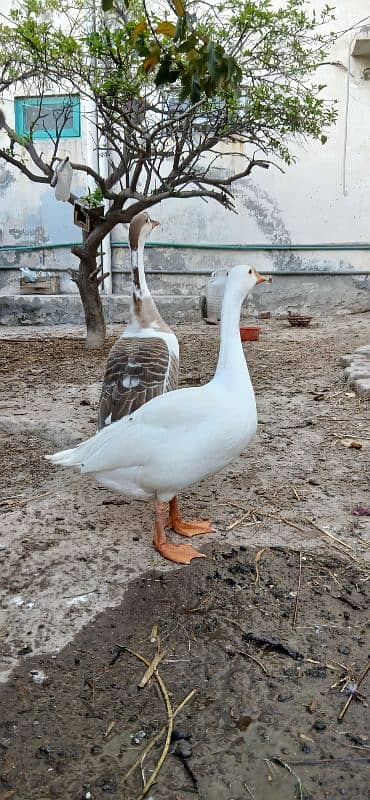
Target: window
x,y
46,116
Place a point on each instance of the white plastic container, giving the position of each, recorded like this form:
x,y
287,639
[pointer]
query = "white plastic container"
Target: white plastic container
x,y
211,301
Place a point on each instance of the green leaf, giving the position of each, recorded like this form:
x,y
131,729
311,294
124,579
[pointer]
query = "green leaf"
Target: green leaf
x,y
323,139
188,45
167,28
163,74
181,29
195,90
107,5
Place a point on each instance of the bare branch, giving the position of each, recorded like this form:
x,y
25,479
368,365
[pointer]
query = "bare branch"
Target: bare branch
x,y
22,167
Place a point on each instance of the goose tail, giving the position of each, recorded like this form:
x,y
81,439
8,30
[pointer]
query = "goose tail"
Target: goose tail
x,y
66,458
74,456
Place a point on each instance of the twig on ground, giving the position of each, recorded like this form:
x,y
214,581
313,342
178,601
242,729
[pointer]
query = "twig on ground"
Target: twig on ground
x,y
169,726
340,668
247,789
256,562
253,658
347,550
109,728
354,692
329,535
23,500
295,613
152,667
237,521
156,738
286,766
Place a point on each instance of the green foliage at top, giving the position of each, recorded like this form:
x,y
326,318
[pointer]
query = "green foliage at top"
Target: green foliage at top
x,y
173,78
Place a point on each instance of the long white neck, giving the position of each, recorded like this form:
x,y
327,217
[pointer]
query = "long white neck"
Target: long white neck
x,y
139,284
231,365
143,310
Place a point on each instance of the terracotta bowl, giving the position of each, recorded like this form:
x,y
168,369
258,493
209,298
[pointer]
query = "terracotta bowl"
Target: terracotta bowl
x,y
298,320
250,334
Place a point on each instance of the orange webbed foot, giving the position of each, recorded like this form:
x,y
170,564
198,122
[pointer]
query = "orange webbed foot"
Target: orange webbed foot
x,y
179,553
195,528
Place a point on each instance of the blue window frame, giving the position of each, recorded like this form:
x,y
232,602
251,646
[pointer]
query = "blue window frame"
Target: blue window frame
x,y
47,115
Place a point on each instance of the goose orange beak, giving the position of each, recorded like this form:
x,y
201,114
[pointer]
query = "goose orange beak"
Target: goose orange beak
x,y
263,278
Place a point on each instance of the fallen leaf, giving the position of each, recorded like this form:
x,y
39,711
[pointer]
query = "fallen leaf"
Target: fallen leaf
x,y
361,511
304,738
312,706
353,444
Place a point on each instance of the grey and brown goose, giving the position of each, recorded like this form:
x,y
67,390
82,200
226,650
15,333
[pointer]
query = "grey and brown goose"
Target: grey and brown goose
x,y
144,362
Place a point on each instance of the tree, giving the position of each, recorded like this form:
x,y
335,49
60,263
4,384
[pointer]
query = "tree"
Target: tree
x,y
169,86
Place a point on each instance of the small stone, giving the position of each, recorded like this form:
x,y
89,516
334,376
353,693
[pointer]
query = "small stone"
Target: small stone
x,y
312,706
138,737
182,749
107,784
96,749
344,649
180,733
319,726
24,650
285,698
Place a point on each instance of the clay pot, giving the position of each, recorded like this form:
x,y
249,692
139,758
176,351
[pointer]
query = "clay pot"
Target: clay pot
x,y
298,320
250,334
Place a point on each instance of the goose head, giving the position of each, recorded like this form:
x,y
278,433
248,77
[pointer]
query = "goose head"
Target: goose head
x,y
140,228
245,277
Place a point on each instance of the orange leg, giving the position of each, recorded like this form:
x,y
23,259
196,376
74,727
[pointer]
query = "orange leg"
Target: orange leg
x,y
183,528
179,553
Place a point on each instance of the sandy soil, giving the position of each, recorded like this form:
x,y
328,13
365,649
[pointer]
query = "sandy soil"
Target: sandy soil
x,y
69,550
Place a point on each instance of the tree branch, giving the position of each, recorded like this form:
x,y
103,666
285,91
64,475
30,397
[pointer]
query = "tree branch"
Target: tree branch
x,y
22,167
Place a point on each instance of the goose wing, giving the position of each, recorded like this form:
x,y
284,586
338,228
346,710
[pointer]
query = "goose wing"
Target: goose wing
x,y
137,370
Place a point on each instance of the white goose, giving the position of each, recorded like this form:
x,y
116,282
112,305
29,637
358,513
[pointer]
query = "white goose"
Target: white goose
x,y
144,362
181,437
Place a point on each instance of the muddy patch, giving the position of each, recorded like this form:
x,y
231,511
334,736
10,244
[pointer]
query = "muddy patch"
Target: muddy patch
x,y
271,670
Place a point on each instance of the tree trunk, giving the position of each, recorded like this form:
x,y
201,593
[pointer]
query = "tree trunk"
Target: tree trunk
x,y
87,281
93,308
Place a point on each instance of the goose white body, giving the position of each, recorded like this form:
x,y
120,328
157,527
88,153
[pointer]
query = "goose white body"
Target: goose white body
x,y
179,438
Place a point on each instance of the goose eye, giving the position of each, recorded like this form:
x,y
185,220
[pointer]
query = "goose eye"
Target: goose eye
x,y
250,272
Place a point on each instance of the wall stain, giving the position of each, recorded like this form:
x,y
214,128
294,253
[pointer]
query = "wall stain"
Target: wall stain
x,y
267,214
29,236
6,179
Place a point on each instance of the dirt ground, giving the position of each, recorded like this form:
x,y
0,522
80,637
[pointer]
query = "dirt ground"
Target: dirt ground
x,y
79,575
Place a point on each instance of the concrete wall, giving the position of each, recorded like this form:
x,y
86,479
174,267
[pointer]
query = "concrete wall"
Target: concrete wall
x,y
322,199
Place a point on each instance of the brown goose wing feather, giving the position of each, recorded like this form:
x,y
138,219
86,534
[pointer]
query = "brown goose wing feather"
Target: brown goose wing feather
x,y
137,370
